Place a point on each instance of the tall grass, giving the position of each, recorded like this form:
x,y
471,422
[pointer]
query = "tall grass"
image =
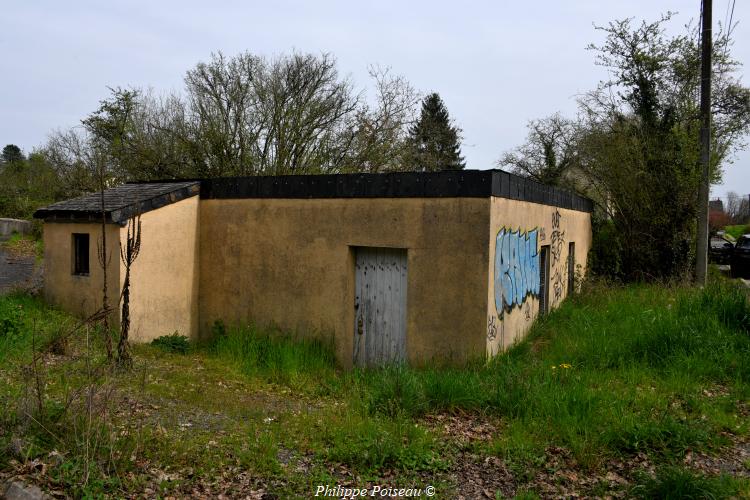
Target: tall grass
x,y
275,355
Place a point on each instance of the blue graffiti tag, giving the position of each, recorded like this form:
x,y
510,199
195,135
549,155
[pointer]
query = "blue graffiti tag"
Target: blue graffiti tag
x,y
516,268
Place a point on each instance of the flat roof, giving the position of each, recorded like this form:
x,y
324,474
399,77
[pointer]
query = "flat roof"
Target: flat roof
x,y
445,184
125,201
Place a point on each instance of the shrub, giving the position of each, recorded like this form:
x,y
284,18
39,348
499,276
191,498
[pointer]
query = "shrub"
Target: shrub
x,y
175,343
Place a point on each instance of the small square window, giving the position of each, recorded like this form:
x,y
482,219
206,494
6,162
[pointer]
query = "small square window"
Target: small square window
x,y
81,254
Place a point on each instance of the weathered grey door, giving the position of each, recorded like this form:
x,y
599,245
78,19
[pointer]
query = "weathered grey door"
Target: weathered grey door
x,y
571,268
544,280
379,306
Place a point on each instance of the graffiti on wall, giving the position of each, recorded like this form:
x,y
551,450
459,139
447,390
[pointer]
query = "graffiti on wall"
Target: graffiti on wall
x,y
516,268
556,247
517,272
491,328
495,330
557,285
557,238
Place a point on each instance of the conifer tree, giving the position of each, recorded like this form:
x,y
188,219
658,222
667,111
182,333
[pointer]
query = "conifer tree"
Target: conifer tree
x,y
434,143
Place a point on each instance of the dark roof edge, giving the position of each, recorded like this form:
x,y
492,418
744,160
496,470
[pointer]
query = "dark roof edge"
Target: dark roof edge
x,y
118,215
445,184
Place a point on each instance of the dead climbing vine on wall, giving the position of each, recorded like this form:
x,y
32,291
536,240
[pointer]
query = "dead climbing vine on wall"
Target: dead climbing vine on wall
x,y
128,253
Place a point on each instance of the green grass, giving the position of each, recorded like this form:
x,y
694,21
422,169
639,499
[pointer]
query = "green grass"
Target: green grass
x,y
737,231
612,374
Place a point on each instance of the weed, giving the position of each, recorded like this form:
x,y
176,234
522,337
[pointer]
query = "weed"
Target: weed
x,y
524,495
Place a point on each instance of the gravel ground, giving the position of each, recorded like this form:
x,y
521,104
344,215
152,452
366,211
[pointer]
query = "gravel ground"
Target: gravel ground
x,y
19,271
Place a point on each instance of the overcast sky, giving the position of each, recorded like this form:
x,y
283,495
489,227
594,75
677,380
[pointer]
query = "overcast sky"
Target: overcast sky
x,y
496,64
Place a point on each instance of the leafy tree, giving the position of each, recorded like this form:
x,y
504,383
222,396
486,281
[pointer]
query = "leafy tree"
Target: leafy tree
x,y
634,148
434,143
99,153
12,153
27,184
641,148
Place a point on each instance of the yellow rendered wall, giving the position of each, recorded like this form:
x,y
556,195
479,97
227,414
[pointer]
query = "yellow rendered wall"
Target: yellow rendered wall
x,y
164,277
519,220
80,295
290,262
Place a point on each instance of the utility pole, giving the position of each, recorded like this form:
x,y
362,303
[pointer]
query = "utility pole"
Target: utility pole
x,y
702,244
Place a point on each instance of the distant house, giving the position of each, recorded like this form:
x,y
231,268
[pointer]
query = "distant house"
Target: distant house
x,y
716,206
401,267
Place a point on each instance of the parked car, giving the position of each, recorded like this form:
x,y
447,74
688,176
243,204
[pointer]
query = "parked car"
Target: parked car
x,y
740,261
720,250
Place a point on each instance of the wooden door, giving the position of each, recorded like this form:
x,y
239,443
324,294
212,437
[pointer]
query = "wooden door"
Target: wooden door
x,y
379,306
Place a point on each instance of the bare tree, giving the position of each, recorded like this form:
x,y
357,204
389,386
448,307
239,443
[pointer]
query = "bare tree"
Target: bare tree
x,y
381,130
243,115
249,115
72,155
224,121
737,208
306,110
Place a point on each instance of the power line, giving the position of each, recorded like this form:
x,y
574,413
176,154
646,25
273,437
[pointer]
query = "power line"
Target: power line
x,y
731,16
726,14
